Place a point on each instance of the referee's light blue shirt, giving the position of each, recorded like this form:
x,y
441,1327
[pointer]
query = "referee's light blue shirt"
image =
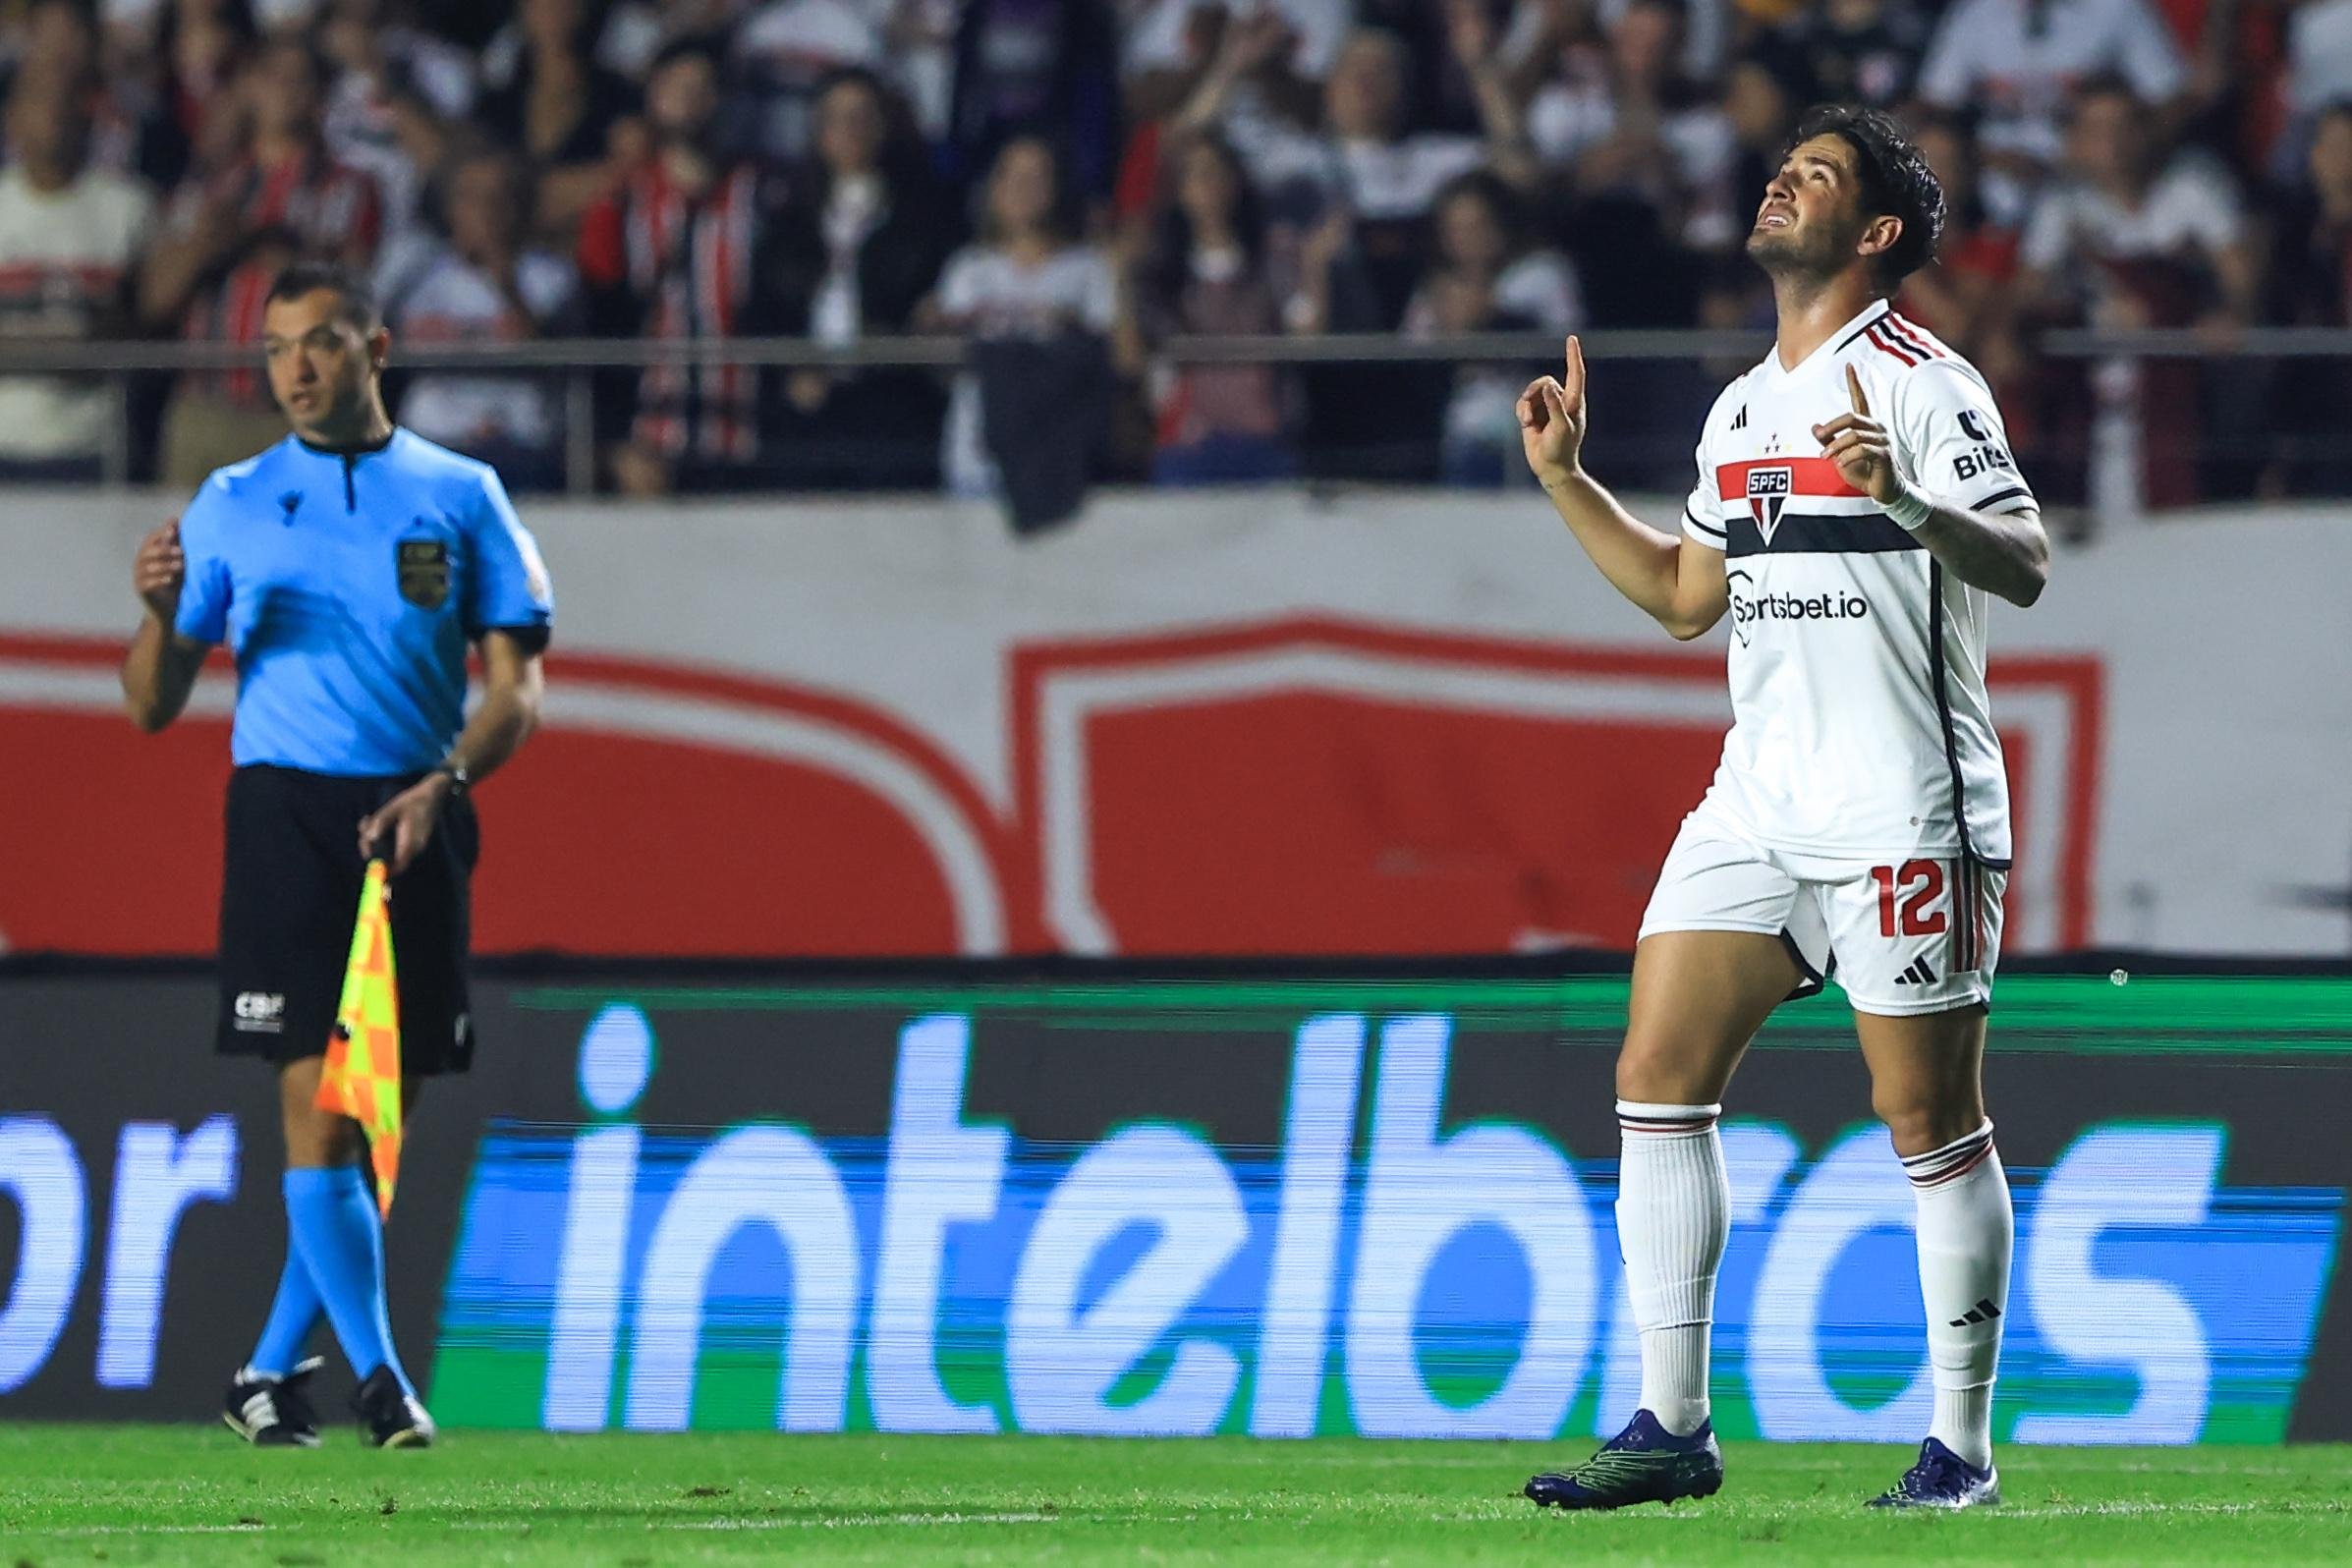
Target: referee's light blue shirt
x,y
347,585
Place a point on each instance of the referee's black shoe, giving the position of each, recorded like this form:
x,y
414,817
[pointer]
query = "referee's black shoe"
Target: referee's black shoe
x,y
389,1417
273,1412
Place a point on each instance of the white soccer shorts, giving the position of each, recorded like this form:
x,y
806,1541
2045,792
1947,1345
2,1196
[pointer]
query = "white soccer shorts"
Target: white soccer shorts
x,y
1918,935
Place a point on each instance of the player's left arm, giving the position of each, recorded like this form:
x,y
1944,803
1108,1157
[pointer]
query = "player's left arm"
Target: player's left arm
x,y
1978,519
509,610
512,686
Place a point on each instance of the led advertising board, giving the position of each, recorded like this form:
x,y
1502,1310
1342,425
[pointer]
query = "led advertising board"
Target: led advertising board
x,y
1111,1201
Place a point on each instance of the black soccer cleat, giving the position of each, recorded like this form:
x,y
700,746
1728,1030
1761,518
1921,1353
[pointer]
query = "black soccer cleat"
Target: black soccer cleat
x,y
389,1416
1644,1463
1943,1480
273,1412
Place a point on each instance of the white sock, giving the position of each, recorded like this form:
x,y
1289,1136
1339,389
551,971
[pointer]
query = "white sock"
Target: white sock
x,y
1965,1233
1673,1213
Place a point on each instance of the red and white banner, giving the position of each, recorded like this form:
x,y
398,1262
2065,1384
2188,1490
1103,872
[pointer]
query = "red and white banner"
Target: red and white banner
x,y
1253,723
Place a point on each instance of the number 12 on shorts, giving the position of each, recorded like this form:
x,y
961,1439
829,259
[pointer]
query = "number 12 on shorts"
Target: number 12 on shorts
x,y
1904,893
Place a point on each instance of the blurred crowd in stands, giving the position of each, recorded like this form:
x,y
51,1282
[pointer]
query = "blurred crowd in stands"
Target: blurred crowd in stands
x,y
1074,182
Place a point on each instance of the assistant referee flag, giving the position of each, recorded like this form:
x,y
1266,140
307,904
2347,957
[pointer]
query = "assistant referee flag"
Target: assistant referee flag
x,y
362,1076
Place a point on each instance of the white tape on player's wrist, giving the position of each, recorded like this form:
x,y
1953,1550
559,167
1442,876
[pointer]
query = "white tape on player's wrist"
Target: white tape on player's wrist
x,y
1909,509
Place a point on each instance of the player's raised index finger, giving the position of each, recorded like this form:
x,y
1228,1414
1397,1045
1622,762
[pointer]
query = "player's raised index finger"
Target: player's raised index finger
x,y
1862,405
1573,383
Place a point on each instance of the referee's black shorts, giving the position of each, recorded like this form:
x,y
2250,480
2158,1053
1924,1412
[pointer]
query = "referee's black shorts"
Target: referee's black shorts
x,y
290,890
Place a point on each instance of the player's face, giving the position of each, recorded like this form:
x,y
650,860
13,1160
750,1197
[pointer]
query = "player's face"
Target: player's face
x,y
321,366
1810,219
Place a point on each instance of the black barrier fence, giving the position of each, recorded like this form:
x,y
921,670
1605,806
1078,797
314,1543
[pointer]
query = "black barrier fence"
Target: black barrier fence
x,y
1110,1199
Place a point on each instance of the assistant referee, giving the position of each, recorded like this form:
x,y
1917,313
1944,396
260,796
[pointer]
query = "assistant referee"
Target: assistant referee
x,y
348,568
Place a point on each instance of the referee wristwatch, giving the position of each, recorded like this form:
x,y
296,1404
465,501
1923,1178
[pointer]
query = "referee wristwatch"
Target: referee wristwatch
x,y
460,779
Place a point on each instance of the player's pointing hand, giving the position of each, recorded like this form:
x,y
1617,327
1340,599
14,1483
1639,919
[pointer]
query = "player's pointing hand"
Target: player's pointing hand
x,y
1860,446
1552,420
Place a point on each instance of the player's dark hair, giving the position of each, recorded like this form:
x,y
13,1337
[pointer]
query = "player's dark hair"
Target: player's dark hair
x,y
1894,178
357,299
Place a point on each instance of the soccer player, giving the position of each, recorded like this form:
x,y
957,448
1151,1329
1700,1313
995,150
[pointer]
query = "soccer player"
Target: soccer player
x,y
1856,506
348,568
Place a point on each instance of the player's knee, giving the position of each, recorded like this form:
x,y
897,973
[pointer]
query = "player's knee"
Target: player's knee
x,y
1652,1072
1922,1116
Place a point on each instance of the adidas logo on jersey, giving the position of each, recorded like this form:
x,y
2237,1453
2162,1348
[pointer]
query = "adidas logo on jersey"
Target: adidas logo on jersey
x,y
1739,420
1921,973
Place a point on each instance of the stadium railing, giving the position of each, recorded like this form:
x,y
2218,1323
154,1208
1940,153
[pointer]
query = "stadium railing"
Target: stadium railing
x,y
2109,486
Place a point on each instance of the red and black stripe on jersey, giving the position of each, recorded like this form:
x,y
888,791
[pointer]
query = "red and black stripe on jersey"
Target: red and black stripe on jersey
x,y
1798,529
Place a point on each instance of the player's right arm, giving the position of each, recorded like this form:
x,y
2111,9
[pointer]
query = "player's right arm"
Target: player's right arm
x,y
160,669
1678,583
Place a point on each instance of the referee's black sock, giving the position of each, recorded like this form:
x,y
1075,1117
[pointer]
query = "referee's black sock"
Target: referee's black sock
x,y
332,1217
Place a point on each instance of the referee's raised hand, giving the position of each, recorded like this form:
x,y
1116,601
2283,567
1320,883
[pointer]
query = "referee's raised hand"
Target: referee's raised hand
x,y
158,570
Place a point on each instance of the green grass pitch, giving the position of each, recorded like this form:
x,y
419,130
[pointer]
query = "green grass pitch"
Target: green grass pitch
x,y
172,1495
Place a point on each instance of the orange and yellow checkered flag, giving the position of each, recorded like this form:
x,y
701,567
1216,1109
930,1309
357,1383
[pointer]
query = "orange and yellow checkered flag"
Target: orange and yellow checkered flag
x,y
362,1077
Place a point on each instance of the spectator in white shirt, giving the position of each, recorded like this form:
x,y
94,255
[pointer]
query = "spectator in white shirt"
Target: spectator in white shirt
x,y
69,236
2014,61
1364,158
1030,277
2131,238
480,282
1642,129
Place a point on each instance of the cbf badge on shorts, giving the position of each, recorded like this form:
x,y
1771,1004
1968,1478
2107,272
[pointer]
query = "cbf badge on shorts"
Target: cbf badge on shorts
x,y
425,573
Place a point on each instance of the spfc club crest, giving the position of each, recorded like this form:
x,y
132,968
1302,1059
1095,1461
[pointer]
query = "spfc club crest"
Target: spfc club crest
x,y
1767,497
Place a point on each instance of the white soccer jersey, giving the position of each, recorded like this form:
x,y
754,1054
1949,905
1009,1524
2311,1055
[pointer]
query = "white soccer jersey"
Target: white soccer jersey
x,y
1861,728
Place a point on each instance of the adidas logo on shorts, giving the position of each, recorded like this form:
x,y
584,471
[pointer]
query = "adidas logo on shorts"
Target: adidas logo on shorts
x,y
1921,973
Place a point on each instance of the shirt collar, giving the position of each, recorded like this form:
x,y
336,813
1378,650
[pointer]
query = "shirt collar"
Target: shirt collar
x,y
1830,346
368,450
